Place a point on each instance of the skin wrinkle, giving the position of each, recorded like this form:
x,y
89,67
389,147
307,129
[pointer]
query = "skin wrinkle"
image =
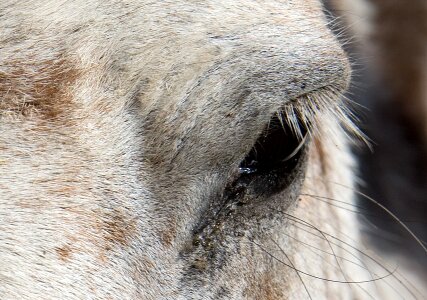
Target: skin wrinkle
x,y
141,113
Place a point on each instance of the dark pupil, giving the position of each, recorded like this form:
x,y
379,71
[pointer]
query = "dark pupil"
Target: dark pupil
x,y
269,167
272,149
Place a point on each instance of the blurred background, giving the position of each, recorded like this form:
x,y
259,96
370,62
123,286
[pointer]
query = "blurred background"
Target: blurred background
x,y
387,43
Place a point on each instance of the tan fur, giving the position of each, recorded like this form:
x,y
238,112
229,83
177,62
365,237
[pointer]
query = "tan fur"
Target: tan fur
x,y
122,121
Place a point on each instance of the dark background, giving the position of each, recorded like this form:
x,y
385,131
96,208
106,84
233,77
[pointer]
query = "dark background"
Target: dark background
x,y
390,82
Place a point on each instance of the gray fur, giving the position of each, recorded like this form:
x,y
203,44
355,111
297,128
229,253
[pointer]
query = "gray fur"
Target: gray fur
x,y
121,123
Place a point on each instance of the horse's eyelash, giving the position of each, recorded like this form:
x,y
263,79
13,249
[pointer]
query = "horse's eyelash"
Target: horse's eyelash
x,y
306,113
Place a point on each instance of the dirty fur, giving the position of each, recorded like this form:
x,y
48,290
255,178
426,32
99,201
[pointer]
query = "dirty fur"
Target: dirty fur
x,y
122,121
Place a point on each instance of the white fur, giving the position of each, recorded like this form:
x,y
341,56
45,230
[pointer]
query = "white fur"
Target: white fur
x,y
121,119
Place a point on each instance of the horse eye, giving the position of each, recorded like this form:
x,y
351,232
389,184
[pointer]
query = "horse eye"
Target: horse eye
x,y
272,163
